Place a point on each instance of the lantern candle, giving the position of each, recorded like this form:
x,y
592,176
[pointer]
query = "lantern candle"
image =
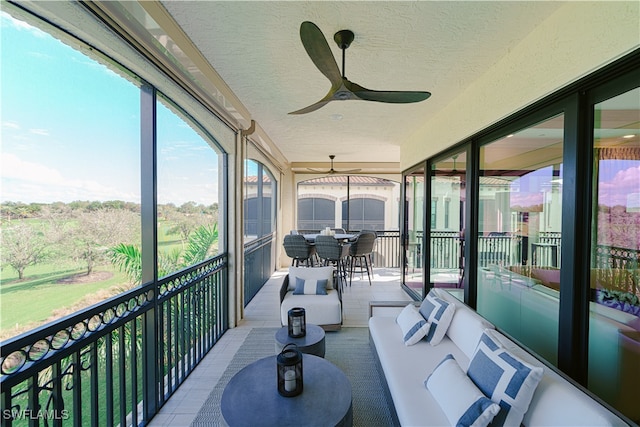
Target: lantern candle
x,y
290,380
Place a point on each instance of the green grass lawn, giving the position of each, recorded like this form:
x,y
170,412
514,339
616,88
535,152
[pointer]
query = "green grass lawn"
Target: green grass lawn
x,y
36,298
43,293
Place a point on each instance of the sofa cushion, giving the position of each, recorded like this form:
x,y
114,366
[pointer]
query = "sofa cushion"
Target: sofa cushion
x,y
438,314
310,273
458,396
412,324
310,286
406,367
505,378
319,309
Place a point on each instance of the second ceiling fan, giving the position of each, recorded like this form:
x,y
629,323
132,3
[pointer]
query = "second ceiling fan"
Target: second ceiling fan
x,y
343,89
332,171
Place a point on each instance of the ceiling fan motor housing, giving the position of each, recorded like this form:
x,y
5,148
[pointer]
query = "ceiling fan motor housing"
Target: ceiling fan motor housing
x,y
343,38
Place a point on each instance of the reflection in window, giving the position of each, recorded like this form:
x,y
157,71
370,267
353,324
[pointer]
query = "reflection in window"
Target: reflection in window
x,y
414,232
519,224
614,328
448,183
187,193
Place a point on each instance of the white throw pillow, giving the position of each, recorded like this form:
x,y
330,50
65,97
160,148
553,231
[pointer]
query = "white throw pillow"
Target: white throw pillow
x,y
505,378
306,273
413,325
458,397
438,314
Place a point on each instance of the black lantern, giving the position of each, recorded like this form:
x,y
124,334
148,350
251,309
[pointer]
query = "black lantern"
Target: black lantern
x,y
289,371
297,322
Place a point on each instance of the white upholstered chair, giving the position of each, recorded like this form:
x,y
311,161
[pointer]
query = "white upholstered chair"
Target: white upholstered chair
x,y
313,289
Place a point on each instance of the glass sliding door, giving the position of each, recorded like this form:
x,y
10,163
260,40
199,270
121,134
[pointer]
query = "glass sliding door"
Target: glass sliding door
x,y
447,227
614,321
413,233
519,224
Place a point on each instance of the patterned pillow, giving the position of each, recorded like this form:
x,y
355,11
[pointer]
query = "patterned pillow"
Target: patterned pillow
x,y
506,379
310,273
310,287
458,397
438,314
413,326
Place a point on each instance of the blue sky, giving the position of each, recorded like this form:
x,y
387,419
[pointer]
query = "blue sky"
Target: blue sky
x,y
70,130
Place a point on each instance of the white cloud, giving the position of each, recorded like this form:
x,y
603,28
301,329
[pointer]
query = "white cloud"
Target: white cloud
x,y
33,182
10,125
42,132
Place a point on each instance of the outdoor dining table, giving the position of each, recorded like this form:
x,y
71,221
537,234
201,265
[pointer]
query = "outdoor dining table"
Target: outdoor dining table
x,y
341,237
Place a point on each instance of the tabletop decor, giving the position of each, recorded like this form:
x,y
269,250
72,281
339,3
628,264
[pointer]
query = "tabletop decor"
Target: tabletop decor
x,y
289,363
297,322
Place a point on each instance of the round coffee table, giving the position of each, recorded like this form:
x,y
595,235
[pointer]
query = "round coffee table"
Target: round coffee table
x,y
251,397
311,343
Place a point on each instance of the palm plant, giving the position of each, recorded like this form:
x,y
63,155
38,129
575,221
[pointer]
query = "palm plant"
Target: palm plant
x,y
128,258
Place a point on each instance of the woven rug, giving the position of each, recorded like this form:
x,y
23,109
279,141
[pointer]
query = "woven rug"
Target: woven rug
x,y
348,349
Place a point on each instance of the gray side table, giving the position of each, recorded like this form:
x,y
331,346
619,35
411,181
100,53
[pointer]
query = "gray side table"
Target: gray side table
x,y
251,397
311,343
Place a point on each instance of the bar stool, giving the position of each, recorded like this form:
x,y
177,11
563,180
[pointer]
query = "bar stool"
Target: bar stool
x,y
332,252
299,250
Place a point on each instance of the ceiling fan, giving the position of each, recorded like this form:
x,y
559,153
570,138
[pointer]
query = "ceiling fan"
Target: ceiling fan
x,y
343,89
332,171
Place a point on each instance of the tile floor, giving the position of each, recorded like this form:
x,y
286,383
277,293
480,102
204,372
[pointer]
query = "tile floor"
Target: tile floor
x,y
263,311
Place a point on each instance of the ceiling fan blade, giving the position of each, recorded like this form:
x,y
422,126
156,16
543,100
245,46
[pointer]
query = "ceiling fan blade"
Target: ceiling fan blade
x,y
318,50
312,107
395,97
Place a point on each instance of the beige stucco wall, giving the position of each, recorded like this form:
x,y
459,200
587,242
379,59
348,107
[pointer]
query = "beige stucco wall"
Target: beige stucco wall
x,y
577,40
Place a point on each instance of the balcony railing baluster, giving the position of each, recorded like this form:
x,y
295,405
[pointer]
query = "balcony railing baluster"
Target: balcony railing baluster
x,y
86,367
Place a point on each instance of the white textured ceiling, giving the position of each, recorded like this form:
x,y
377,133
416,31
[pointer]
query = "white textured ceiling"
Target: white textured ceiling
x,y
440,47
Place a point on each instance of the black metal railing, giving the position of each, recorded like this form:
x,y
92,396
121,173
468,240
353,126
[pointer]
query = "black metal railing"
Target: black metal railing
x,y
615,257
386,252
258,265
117,362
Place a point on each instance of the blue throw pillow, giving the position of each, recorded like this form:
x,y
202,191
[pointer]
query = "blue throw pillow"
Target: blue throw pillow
x,y
504,378
413,326
438,313
310,287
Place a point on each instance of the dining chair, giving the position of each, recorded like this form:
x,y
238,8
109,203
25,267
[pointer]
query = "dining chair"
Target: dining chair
x,y
299,250
360,254
333,252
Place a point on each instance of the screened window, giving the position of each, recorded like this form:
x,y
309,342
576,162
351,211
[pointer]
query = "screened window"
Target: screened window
x,y
316,213
363,214
70,177
259,201
364,203
188,214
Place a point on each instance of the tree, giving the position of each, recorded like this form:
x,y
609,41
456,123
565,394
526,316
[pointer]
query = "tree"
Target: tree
x,y
99,230
23,246
202,243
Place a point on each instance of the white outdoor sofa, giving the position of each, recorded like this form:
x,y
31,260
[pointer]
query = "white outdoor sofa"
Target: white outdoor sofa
x,y
555,402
